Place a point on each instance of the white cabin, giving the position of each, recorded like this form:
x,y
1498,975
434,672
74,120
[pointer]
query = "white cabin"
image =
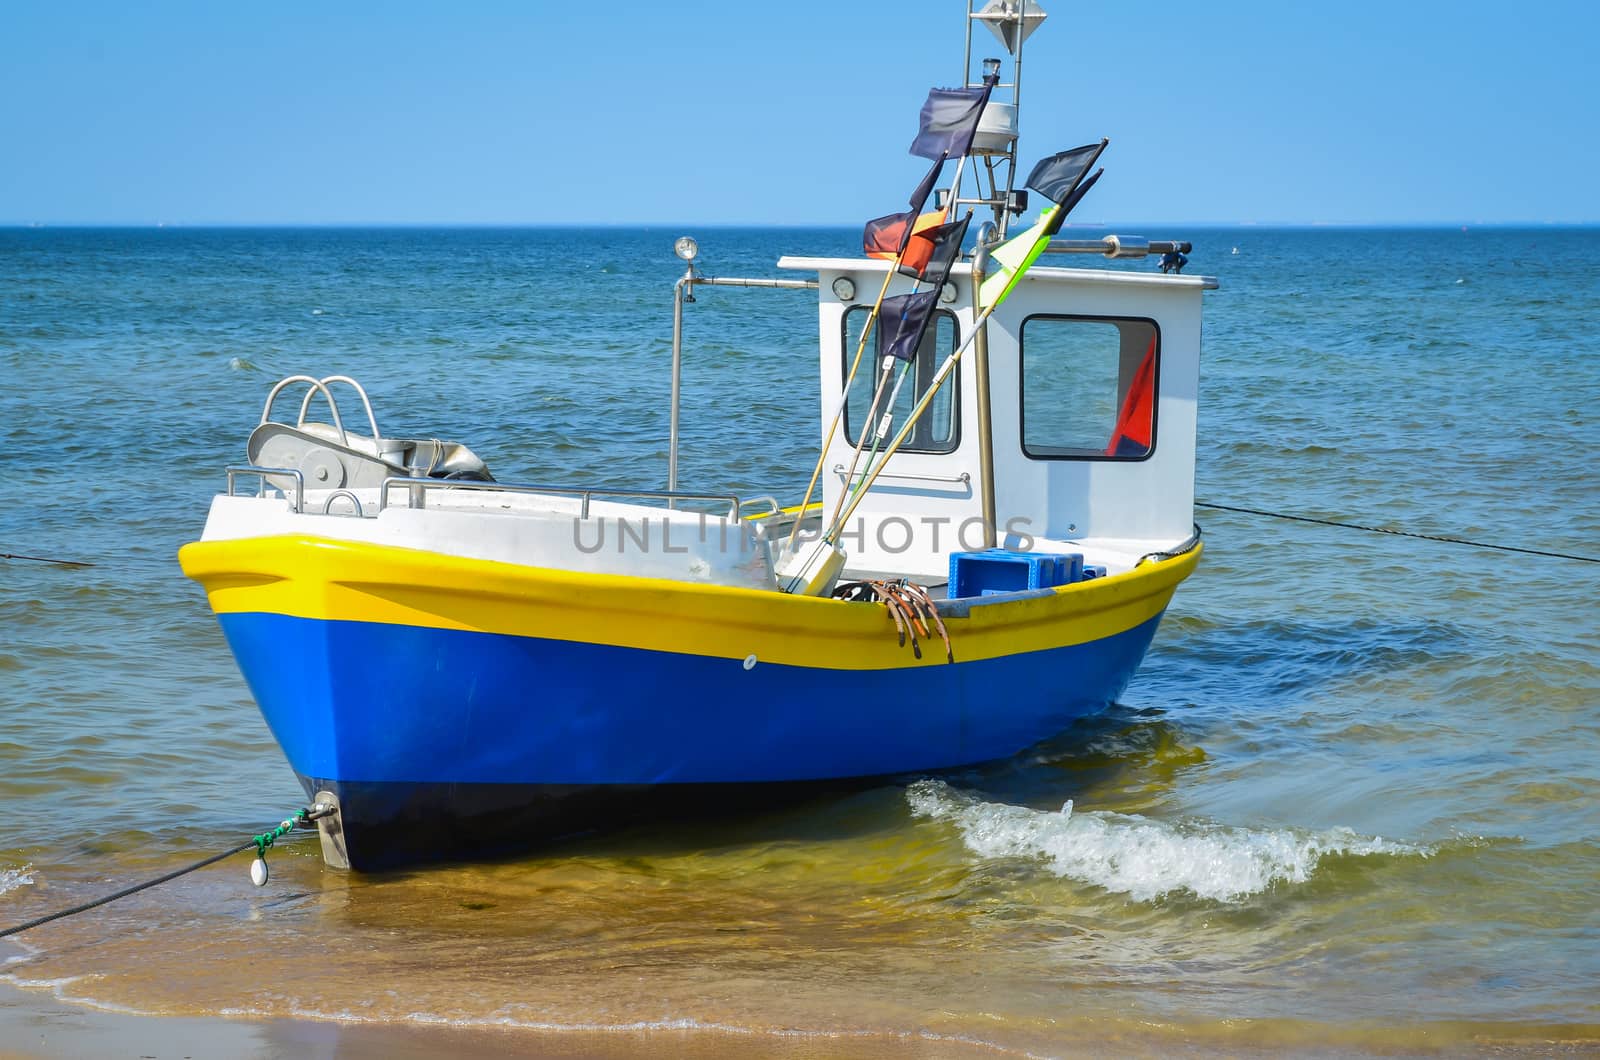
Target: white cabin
x,y
1064,351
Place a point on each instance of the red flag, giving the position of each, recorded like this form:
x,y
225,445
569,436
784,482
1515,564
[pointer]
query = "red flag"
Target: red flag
x,y
1134,425
885,237
932,250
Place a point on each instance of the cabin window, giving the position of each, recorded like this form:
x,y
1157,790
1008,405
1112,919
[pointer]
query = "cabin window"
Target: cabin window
x,y
939,429
1089,387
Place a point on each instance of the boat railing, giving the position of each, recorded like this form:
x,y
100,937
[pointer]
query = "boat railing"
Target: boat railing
x,y
261,473
965,478
771,503
343,495
323,386
298,502
683,291
417,491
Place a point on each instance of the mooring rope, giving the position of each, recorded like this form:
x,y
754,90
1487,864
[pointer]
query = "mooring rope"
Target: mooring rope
x,y
1189,543
1399,533
45,559
260,843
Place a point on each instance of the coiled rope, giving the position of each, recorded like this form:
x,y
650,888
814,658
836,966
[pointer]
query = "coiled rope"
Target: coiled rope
x,y
910,606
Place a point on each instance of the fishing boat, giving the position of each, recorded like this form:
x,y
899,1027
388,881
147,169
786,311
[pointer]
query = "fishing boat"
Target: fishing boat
x,y
999,513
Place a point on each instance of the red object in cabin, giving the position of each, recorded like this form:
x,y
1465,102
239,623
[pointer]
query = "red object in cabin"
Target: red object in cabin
x,y
1135,422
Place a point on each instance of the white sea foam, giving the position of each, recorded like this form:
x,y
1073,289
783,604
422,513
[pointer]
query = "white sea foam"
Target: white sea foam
x,y
1141,858
11,879
681,1023
55,985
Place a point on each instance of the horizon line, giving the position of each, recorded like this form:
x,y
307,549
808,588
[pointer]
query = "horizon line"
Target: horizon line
x,y
796,226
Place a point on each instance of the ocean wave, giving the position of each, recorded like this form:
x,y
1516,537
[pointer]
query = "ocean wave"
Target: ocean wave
x,y
1142,858
11,879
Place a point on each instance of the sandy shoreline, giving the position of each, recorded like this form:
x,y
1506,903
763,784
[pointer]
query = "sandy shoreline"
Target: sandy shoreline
x,y
35,1025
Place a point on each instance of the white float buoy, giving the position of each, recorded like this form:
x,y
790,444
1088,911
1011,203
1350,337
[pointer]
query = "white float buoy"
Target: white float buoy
x,y
258,872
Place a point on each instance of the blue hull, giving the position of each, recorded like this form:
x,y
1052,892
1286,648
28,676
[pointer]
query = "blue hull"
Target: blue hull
x,y
491,736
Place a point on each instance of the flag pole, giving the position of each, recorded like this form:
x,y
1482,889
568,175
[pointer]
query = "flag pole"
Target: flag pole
x,y
911,421
855,364
1051,226
880,431
855,457
815,572
844,396
866,427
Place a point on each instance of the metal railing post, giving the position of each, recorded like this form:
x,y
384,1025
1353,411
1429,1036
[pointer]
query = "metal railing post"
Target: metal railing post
x,y
677,374
980,349
686,283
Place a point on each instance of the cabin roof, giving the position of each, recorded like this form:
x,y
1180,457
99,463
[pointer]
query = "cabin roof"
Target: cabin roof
x,y
1046,274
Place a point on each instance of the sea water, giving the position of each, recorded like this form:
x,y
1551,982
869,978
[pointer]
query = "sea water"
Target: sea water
x,y
1353,795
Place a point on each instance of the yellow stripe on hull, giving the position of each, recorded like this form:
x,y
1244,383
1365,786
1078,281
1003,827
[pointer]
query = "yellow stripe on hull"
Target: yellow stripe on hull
x,y
329,579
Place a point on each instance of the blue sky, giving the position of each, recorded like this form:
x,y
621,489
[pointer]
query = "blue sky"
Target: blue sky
x,y
755,112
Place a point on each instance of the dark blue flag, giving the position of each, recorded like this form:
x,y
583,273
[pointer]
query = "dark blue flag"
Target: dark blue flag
x,y
930,252
1077,194
902,321
949,121
1057,177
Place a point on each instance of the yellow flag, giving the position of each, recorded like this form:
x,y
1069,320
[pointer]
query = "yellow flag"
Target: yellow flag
x,y
1015,255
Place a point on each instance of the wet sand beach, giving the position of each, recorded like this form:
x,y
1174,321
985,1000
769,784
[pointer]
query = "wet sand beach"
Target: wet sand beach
x,y
41,1029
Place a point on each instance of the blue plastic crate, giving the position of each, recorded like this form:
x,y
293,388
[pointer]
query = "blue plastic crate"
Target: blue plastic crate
x,y
999,570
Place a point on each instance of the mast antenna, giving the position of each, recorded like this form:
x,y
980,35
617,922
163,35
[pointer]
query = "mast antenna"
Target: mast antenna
x,y
995,145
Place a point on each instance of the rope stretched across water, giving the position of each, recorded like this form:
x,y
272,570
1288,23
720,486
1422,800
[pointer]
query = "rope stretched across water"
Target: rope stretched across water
x,y
45,559
1399,533
260,843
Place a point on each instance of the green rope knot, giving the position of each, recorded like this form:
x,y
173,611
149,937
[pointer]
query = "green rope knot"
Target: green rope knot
x,y
287,825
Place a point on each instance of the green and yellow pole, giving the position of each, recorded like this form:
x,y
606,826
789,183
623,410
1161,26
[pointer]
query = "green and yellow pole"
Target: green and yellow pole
x,y
838,408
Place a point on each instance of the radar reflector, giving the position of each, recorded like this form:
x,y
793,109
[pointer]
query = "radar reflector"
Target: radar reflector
x,y
1012,21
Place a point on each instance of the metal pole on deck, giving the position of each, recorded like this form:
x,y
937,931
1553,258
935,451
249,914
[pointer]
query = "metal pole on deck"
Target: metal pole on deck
x,y
677,374
683,291
980,348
